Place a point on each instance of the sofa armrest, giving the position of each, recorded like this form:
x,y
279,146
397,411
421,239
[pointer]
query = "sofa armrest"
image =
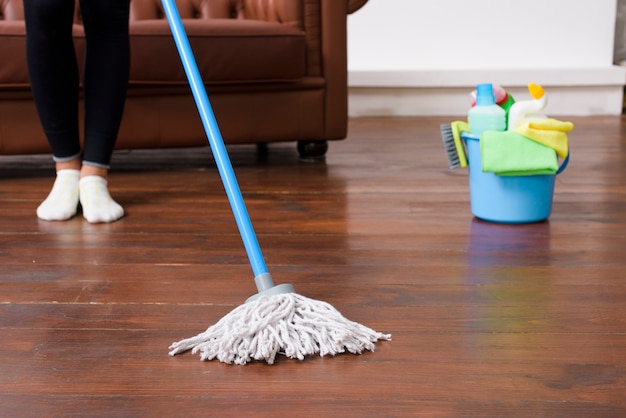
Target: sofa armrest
x,y
354,5
332,60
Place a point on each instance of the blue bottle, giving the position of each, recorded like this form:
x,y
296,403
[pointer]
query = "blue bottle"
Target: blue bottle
x,y
486,115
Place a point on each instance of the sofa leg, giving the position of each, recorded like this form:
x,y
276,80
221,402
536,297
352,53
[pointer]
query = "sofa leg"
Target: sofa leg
x,y
262,149
312,149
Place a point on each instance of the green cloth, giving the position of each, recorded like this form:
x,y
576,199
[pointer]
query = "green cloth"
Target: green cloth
x,y
511,154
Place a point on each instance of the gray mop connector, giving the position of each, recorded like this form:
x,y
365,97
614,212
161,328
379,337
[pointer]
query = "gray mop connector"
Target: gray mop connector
x,y
265,286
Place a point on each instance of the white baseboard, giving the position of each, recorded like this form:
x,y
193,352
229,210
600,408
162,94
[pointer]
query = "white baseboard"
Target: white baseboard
x,y
575,92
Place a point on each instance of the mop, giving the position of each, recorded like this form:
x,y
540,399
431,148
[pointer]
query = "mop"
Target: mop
x,y
276,320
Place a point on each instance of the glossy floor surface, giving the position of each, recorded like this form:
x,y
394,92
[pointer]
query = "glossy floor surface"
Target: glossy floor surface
x,y
487,319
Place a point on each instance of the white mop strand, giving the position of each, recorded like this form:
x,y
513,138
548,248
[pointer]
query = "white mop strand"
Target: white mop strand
x,y
288,323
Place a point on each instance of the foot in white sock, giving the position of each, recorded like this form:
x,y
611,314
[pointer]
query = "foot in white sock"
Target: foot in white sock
x,y
62,202
98,205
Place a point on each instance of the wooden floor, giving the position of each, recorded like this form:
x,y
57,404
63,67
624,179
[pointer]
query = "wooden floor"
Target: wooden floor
x,y
487,319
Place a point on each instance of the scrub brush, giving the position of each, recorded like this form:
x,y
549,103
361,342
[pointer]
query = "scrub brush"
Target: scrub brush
x,y
451,136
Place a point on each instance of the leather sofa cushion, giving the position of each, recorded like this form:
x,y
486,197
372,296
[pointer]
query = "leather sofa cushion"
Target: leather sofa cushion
x,y
227,51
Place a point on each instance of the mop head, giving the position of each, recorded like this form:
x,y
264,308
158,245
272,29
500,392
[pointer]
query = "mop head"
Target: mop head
x,y
288,324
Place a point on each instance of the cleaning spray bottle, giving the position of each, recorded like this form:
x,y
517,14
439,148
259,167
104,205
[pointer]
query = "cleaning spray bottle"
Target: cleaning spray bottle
x,y
504,99
486,115
528,108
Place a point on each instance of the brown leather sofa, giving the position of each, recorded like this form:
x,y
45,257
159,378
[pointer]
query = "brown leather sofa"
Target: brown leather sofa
x,y
275,70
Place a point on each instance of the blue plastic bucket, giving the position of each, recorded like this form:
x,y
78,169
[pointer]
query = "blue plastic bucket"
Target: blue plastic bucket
x,y
507,199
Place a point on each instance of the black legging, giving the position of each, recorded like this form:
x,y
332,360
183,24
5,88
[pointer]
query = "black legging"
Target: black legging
x,y
54,78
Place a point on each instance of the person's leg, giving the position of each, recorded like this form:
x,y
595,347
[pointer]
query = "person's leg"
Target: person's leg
x,y
53,74
105,80
105,77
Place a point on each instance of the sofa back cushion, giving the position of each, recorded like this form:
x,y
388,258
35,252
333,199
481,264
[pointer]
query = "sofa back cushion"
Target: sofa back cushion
x,y
234,41
280,11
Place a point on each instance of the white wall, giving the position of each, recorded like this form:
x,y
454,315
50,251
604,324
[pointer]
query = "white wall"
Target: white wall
x,y
410,57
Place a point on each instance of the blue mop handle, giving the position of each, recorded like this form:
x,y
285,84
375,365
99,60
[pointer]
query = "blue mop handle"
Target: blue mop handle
x,y
215,140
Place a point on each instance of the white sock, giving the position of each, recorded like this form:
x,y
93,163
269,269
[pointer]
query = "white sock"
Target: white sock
x,y
62,202
98,205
